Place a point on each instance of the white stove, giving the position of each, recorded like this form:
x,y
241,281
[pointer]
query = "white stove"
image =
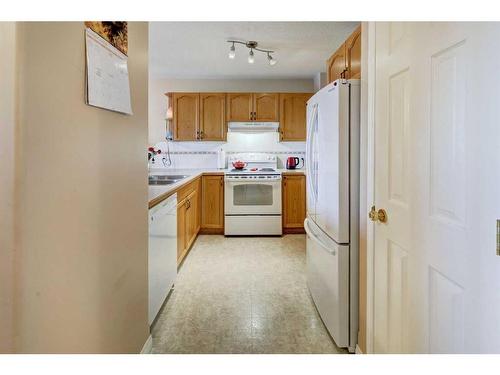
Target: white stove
x,y
252,196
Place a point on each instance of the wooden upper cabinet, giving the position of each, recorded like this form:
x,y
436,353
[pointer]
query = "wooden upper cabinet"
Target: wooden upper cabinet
x,y
212,116
353,54
252,107
239,107
186,108
212,212
294,201
336,64
266,107
293,124
346,61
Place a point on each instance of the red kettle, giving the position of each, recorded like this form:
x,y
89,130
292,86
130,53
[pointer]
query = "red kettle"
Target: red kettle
x,y
292,162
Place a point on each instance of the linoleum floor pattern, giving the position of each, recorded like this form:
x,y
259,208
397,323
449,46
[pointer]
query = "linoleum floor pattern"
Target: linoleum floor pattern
x,y
242,295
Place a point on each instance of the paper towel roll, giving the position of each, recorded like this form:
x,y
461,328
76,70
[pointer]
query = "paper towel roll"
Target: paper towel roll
x,y
221,159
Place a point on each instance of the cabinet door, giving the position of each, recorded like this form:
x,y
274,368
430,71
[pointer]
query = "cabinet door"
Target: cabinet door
x,y
198,204
294,201
353,55
239,107
212,214
336,64
293,116
266,107
181,230
186,116
212,116
191,218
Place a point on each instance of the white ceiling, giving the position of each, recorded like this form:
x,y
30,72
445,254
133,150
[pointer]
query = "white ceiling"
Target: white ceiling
x,y
200,50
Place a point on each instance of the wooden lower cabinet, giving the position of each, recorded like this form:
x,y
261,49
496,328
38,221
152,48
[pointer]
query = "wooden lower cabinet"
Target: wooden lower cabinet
x,y
181,230
200,208
188,217
212,198
294,203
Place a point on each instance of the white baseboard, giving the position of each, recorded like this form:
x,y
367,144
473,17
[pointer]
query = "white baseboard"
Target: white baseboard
x,y
358,350
148,346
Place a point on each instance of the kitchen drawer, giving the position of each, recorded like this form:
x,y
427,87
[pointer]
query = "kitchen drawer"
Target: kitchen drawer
x,y
187,189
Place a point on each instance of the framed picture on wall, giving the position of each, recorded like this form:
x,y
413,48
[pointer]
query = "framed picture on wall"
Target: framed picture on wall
x,y
115,32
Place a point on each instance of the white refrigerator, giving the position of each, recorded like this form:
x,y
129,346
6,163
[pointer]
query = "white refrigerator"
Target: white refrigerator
x,y
332,167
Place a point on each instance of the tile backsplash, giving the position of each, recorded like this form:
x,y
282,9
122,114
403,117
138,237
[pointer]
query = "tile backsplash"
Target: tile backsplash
x,y
204,154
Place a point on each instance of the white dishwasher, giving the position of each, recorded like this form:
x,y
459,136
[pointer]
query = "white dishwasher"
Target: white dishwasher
x,y
162,258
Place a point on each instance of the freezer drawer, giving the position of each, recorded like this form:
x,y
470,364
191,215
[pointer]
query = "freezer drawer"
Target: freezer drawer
x,y
328,281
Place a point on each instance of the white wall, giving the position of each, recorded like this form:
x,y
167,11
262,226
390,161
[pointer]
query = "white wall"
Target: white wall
x,y
7,178
319,81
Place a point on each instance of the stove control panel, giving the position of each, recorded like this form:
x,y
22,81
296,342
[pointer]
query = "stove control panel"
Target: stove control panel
x,y
230,177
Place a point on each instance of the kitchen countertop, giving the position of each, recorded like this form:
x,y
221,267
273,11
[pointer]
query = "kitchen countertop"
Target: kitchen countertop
x,y
293,171
156,192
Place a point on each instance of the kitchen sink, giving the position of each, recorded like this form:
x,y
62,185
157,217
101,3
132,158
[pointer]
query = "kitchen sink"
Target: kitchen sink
x,y
165,179
161,182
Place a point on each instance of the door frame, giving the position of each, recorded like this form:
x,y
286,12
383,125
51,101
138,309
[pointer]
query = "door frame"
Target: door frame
x,y
368,92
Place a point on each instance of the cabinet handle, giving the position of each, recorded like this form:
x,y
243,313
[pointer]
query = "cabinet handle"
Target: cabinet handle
x,y
201,134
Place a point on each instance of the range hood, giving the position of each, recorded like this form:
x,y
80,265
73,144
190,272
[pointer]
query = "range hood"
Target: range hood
x,y
253,127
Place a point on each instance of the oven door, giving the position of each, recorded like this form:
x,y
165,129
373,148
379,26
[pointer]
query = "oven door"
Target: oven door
x,y
251,197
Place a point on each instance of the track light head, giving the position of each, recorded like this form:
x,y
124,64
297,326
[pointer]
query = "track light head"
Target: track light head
x,y
272,61
251,58
232,52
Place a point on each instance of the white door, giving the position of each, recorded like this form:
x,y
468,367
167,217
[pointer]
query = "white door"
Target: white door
x,y
437,173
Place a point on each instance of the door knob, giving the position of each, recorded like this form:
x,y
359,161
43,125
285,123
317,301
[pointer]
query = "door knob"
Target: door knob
x,y
380,215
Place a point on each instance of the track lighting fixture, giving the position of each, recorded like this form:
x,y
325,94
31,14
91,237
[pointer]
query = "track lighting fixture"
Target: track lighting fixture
x,y
252,45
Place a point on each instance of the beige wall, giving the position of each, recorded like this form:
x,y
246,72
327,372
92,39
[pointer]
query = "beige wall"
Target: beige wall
x,y
7,141
158,88
82,268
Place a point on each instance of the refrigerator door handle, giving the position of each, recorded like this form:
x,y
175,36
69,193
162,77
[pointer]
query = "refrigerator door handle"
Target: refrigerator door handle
x,y
309,157
316,238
